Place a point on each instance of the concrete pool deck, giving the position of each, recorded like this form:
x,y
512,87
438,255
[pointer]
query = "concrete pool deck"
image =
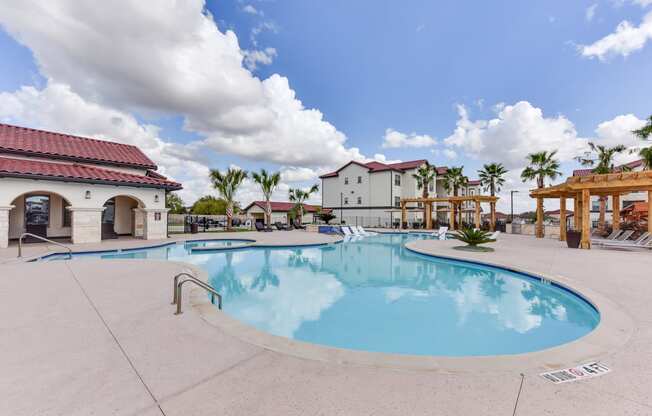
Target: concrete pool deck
x,y
100,337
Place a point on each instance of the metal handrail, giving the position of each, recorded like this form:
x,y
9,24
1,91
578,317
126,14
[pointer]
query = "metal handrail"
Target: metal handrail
x,y
20,243
177,296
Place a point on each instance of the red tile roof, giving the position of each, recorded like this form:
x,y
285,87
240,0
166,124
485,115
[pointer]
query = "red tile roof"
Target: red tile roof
x,y
474,182
630,165
380,167
79,173
282,206
28,141
441,170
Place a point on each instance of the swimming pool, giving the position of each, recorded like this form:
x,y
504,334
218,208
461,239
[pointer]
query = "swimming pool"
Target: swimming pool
x,y
374,294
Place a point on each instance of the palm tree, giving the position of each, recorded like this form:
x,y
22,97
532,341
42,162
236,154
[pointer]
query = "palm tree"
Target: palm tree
x,y
268,183
646,155
227,185
542,165
602,158
300,196
646,131
454,179
491,177
425,174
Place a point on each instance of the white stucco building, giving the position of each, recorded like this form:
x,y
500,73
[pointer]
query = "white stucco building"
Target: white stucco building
x,y
85,190
625,200
280,212
370,193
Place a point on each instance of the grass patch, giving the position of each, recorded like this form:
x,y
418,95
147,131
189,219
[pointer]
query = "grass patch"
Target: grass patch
x,y
476,249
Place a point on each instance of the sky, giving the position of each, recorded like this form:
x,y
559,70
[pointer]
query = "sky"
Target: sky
x,y
304,87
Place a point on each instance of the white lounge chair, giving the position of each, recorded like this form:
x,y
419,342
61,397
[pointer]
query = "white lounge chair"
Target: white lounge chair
x,y
362,231
639,243
642,239
346,230
441,234
611,237
494,235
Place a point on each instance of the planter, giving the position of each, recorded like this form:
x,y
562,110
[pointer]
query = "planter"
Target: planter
x,y
573,238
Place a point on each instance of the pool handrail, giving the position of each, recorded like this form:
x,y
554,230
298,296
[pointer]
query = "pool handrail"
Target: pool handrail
x,y
177,298
47,240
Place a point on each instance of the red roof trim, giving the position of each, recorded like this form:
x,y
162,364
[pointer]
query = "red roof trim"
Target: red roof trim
x,y
28,141
631,165
375,166
281,206
36,169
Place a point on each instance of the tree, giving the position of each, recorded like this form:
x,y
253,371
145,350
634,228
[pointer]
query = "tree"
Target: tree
x,y
541,165
209,205
454,179
326,216
492,177
268,183
646,131
174,203
646,155
227,185
425,174
601,159
299,196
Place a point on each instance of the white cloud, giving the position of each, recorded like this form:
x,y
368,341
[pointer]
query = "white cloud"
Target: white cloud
x,y
626,39
590,12
57,108
450,154
172,59
254,57
296,174
396,139
517,130
618,131
379,157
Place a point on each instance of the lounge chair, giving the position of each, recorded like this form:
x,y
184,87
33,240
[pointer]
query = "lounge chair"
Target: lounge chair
x,y
365,232
614,234
639,243
346,230
441,233
280,226
494,235
642,239
261,227
297,224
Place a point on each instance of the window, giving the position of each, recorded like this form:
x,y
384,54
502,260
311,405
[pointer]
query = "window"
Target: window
x,y
359,179
359,200
346,200
397,201
346,180
157,216
66,214
397,180
595,205
431,186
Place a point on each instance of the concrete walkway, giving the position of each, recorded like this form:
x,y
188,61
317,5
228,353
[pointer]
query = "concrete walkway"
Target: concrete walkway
x,y
99,337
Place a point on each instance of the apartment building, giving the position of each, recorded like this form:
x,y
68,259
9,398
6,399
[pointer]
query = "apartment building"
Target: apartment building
x,y
625,200
370,193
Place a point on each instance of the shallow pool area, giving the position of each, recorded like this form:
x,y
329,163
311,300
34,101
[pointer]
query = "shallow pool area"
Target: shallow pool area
x,y
374,294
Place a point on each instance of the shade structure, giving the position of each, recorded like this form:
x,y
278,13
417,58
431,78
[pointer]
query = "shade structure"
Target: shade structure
x,y
454,206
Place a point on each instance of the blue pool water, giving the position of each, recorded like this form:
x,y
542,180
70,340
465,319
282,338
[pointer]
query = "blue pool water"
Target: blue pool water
x,y
375,295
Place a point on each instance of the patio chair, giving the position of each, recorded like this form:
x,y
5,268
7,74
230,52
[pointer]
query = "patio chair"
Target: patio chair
x,y
642,239
494,235
614,234
645,243
441,233
362,231
280,226
261,227
346,230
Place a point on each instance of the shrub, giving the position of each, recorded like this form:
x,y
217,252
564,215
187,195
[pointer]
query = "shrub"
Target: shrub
x,y
473,237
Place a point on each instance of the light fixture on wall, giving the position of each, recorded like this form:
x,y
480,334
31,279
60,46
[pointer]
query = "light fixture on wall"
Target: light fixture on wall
x,y
88,194
156,199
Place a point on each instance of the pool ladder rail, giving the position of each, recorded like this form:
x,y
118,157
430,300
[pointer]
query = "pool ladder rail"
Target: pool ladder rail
x,y
187,277
47,240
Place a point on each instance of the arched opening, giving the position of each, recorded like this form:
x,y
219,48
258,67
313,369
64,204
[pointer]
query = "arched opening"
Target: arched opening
x,y
121,217
42,213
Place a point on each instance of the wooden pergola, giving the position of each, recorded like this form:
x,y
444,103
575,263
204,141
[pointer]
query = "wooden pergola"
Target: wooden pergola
x,y
455,203
581,188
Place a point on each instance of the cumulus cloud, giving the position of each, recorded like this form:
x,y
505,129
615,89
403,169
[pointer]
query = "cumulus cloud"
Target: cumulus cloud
x,y
396,139
627,38
517,130
297,174
173,59
618,131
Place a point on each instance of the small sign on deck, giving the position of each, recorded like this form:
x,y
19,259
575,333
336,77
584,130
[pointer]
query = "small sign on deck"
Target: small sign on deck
x,y
580,372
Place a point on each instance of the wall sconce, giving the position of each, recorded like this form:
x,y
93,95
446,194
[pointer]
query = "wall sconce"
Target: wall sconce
x,y
88,194
156,199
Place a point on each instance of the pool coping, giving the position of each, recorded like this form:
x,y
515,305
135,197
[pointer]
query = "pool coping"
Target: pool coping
x,y
613,331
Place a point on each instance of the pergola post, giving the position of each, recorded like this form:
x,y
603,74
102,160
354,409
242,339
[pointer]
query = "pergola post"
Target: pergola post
x,y
477,213
562,218
586,219
403,215
649,211
452,215
539,228
576,212
428,215
492,222
615,212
